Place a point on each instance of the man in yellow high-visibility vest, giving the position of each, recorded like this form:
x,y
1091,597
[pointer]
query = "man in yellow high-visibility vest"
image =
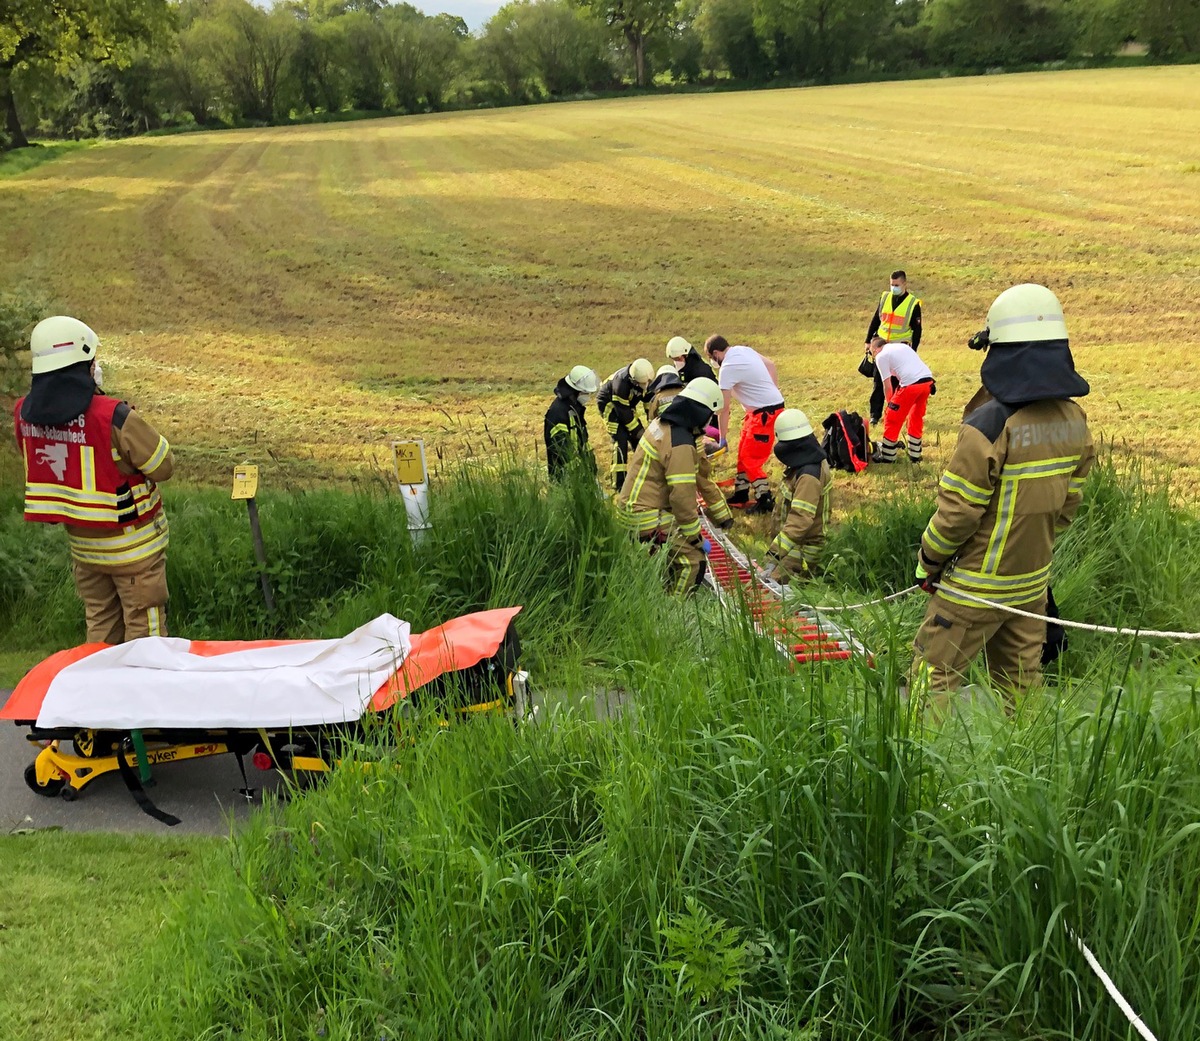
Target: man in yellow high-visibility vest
x,y
897,318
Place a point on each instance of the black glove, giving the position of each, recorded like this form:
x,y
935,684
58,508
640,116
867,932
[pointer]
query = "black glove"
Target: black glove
x,y
726,524
980,340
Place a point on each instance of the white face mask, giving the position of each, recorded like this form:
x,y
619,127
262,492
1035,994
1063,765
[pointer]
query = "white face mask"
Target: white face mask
x,y
679,363
897,290
97,375
585,399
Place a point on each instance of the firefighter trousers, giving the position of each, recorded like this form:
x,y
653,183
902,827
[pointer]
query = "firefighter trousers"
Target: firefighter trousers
x,y
687,563
126,605
953,634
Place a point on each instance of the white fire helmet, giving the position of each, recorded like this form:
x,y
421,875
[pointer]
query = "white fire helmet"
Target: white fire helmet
x,y
792,425
583,379
641,372
1024,314
704,391
60,341
677,347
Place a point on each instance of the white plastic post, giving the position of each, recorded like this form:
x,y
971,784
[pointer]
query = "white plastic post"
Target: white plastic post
x,y
408,460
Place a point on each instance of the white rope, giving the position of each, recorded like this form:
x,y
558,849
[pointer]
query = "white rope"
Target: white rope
x,y
1114,630
868,603
1134,1020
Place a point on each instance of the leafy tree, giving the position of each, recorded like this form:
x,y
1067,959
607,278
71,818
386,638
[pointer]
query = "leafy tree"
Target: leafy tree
x,y
191,82
1101,26
726,28
318,64
985,33
420,55
819,38
501,54
1171,28
363,61
252,49
636,20
568,47
58,36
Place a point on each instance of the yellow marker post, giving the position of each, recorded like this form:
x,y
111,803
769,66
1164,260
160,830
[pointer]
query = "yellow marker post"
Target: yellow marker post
x,y
245,486
408,460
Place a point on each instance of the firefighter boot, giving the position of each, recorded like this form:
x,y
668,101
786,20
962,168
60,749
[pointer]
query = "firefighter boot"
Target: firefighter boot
x,y
764,501
914,449
741,492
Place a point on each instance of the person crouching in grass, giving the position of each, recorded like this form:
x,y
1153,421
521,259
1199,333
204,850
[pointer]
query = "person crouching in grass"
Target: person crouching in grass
x,y
804,500
907,386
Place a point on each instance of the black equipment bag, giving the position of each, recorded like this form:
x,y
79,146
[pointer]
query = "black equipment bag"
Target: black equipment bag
x,y
846,444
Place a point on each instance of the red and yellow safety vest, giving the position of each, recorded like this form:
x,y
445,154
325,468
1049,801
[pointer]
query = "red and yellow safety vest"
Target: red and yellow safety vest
x,y
71,473
895,321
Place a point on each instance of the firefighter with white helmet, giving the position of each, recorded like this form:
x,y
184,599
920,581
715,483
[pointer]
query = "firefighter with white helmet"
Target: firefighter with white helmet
x,y
618,400
665,385
804,499
663,389
92,464
658,501
565,429
687,362
1014,483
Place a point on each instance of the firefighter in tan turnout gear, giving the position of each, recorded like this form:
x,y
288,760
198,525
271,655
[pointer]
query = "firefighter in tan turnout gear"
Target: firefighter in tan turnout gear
x,y
618,401
658,502
1014,483
91,464
664,388
804,499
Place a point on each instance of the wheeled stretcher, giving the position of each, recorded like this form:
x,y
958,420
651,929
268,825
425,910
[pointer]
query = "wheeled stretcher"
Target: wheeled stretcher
x,y
295,704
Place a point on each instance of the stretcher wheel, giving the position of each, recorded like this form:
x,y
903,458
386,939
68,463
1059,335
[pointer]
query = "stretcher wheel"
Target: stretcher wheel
x,y
68,793
51,788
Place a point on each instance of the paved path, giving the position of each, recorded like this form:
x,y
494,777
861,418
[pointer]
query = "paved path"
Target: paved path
x,y
201,792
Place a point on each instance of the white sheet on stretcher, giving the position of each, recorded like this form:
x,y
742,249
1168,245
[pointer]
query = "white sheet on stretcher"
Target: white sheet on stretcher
x,y
157,682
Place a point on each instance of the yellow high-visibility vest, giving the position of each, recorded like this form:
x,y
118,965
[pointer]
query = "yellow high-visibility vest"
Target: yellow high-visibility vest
x,y
895,323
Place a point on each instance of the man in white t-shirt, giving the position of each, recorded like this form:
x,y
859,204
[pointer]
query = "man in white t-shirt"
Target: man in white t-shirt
x,y
750,377
907,386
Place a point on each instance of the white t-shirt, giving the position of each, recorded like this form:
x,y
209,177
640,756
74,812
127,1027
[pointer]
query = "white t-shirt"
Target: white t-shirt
x,y
745,374
900,360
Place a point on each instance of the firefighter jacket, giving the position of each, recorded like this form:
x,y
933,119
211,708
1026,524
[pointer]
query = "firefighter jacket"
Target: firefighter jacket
x,y
714,501
618,401
695,367
566,432
662,393
96,475
1014,482
803,509
896,318
661,486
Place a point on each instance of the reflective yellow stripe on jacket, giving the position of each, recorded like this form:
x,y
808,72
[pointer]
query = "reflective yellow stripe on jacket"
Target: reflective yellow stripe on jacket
x,y
125,547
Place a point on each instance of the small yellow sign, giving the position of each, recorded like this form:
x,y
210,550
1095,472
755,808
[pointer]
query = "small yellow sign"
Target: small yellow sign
x,y
245,482
409,457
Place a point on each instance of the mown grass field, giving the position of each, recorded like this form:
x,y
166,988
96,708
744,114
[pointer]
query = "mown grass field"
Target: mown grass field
x,y
308,293
298,296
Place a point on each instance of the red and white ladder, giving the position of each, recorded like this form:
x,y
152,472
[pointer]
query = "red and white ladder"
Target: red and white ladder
x,y
801,634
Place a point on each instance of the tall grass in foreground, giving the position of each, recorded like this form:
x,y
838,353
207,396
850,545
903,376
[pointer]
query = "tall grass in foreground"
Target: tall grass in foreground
x,y
753,854
746,851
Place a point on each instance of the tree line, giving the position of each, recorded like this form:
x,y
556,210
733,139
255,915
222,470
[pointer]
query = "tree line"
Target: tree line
x,y
85,68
